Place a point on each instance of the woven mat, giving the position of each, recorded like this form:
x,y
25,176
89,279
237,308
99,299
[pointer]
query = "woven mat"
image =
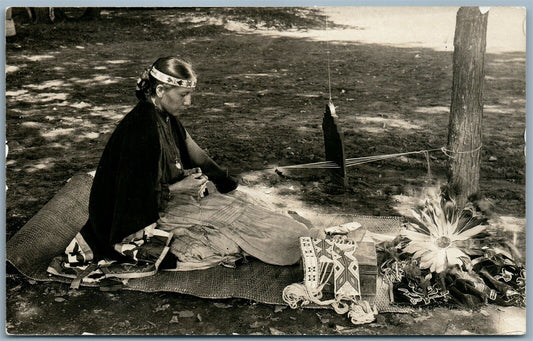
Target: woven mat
x,y
49,232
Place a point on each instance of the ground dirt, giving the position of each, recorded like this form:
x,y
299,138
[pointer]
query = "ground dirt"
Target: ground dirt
x,y
263,86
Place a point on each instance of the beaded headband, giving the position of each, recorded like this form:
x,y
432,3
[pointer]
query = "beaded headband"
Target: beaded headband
x,y
162,77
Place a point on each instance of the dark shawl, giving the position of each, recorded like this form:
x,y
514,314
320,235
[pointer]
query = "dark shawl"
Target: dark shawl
x,y
127,191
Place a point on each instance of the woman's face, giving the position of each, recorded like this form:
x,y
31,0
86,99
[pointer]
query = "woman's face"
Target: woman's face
x,y
174,99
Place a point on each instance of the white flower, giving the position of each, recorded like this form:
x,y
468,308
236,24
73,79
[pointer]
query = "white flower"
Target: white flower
x,y
438,238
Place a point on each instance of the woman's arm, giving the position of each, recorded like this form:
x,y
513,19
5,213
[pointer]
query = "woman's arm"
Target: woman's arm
x,y
199,158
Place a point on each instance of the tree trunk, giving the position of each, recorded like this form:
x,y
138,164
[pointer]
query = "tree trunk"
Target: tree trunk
x,y
41,15
466,112
91,13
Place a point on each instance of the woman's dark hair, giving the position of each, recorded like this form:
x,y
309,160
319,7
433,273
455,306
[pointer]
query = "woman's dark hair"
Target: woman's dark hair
x,y
171,66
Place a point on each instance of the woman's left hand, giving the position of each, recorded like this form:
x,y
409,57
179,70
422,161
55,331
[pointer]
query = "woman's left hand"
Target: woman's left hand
x,y
193,185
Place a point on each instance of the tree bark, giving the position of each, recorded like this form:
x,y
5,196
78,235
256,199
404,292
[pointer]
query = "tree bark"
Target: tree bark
x,y
41,15
91,13
466,111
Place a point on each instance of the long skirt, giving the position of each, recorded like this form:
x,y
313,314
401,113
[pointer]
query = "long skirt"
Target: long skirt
x,y
222,228
191,234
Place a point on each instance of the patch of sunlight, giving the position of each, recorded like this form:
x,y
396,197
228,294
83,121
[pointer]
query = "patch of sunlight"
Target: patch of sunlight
x,y
57,145
304,129
371,130
41,97
491,78
236,26
269,109
50,96
432,110
57,132
388,122
91,135
38,58
71,120
97,79
31,124
118,61
109,114
216,94
214,110
281,198
27,310
16,93
511,224
251,75
25,96
505,61
309,95
509,320
497,109
80,105
11,68
46,85
41,164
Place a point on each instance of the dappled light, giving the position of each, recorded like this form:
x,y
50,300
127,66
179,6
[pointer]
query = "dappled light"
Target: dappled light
x,y
386,122
37,58
12,68
433,110
47,85
41,164
262,90
57,132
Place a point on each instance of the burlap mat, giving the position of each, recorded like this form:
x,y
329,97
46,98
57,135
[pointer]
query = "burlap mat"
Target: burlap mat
x,y
49,232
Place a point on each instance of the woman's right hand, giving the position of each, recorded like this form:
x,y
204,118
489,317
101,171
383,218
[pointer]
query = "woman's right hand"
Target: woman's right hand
x,y
192,185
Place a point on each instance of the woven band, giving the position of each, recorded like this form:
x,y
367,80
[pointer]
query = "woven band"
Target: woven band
x,y
162,77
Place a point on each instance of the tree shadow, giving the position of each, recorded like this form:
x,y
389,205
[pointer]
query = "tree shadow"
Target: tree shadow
x,y
259,103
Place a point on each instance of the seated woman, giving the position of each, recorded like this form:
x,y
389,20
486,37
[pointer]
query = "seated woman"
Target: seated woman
x,y
153,192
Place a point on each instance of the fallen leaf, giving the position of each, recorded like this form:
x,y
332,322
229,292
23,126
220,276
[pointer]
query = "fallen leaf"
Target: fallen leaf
x,y
292,318
199,317
222,305
185,313
279,308
420,319
16,288
32,282
323,320
174,319
162,307
466,332
275,331
258,324
59,299
484,312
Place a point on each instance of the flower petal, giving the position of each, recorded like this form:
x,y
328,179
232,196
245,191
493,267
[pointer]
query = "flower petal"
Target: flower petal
x,y
420,253
415,236
415,246
469,233
454,255
440,261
